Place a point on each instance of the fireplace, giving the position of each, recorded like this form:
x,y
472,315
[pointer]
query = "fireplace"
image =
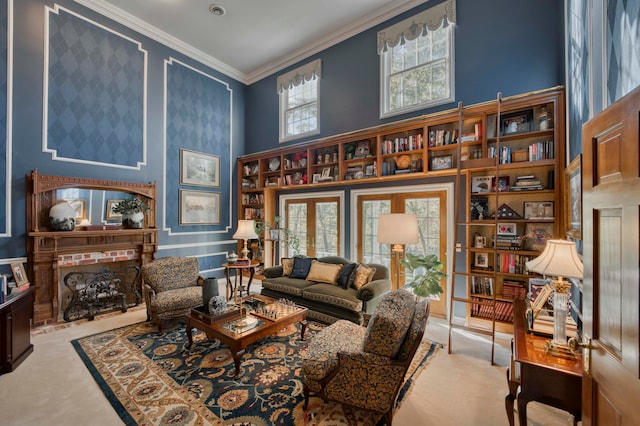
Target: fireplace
x,y
49,253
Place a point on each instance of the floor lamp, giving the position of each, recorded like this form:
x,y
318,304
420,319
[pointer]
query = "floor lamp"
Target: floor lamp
x,y
558,259
397,229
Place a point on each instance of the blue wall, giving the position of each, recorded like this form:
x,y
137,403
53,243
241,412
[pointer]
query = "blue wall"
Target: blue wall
x,y
503,46
225,140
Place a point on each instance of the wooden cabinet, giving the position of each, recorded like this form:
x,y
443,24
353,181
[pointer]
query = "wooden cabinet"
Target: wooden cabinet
x,y
16,313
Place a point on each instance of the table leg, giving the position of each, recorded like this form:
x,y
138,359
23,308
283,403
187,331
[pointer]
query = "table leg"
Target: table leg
x,y
236,360
189,335
523,400
303,325
252,272
229,285
510,398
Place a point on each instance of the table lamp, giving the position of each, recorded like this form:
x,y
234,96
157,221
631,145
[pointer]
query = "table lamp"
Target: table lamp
x,y
246,231
397,229
560,259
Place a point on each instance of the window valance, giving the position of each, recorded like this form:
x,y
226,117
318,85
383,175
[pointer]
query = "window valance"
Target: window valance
x,y
295,77
409,29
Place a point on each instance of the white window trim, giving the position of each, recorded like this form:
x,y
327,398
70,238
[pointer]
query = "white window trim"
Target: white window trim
x,y
410,29
310,72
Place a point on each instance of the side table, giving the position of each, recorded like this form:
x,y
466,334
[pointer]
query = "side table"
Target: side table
x,y
236,287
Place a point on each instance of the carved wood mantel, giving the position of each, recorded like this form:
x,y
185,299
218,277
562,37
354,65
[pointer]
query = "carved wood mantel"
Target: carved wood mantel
x,y
45,247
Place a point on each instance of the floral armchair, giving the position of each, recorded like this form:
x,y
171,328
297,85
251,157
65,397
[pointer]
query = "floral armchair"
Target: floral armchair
x,y
365,367
172,286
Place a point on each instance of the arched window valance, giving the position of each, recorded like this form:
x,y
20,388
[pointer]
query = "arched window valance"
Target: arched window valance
x,y
409,29
295,77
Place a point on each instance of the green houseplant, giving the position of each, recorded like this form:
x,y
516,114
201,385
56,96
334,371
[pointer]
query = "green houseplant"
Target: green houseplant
x,y
132,211
427,273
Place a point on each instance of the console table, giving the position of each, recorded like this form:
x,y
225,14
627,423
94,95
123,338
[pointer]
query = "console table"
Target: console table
x,y
540,376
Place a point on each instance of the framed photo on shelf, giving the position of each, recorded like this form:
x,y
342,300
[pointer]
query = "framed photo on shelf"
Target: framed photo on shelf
x,y
507,228
479,208
199,169
538,210
110,214
362,149
480,184
518,122
537,235
442,163
199,207
481,260
573,198
501,185
19,274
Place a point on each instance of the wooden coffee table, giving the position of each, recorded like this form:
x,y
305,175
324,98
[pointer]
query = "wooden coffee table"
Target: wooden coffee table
x,y
224,327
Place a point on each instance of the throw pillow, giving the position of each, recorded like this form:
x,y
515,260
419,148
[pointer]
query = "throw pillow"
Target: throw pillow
x,y
287,266
363,274
301,266
345,277
324,272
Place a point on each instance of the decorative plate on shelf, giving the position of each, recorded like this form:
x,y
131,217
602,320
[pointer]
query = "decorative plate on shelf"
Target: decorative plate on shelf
x,y
274,164
403,162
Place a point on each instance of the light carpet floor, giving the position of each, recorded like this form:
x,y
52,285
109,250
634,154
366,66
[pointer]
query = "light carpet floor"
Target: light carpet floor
x,y
53,387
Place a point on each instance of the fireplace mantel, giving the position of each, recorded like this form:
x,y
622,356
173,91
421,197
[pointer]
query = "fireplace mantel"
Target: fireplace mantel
x,y
46,248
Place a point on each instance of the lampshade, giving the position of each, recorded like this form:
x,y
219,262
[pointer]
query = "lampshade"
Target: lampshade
x,y
397,228
246,230
559,258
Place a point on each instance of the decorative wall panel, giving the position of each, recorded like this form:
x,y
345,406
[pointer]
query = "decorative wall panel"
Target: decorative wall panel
x,y
198,118
5,134
95,88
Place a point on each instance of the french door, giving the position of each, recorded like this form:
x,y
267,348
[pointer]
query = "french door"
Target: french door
x,y
314,227
429,207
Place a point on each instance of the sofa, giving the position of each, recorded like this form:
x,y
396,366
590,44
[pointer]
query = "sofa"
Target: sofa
x,y
332,287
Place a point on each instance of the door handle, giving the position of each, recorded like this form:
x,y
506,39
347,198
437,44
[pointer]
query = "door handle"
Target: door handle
x,y
586,354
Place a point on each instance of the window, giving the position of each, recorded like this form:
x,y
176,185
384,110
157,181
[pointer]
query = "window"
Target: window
x,y
299,102
416,61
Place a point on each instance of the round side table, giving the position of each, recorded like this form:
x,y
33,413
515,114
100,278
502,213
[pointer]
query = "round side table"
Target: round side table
x,y
236,287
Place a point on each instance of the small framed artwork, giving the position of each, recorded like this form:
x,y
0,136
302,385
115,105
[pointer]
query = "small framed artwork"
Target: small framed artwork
x,y
19,274
507,228
199,169
199,207
518,122
274,234
442,163
362,149
537,235
573,198
538,210
368,171
479,208
80,206
110,214
326,172
481,260
501,184
480,184
315,178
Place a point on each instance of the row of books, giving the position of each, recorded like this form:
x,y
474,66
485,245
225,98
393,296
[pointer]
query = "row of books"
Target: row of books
x,y
482,285
442,137
541,151
512,263
504,242
253,198
410,143
250,213
503,310
514,290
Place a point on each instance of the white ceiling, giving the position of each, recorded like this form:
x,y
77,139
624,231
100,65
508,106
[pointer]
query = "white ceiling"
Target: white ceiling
x,y
254,38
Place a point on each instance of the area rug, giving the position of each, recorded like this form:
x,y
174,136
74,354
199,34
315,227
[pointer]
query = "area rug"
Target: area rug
x,y
153,379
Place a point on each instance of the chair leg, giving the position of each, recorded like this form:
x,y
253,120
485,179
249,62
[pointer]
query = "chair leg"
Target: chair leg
x,y
159,322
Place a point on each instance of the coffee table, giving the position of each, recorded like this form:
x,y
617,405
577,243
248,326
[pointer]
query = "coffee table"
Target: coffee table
x,y
224,327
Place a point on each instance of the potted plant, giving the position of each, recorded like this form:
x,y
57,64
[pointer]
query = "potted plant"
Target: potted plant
x,y
427,273
132,211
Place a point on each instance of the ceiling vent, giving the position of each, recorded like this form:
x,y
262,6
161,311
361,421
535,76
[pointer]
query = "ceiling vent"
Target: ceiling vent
x,y
217,10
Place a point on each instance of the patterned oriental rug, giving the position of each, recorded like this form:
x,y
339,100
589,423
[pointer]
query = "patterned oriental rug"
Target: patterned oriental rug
x,y
152,379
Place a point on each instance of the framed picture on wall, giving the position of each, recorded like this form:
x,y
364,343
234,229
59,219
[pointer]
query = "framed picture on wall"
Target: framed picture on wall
x,y
199,207
573,198
199,169
80,206
110,214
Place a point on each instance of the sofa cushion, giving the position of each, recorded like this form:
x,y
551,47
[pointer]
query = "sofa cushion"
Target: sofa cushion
x,y
389,323
346,276
287,285
301,266
324,272
287,266
321,356
363,275
333,295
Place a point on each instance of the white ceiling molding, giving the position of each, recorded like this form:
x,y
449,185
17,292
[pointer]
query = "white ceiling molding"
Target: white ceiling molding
x,y
298,76
409,29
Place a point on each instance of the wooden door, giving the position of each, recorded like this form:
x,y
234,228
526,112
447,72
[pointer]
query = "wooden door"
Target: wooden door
x,y
611,234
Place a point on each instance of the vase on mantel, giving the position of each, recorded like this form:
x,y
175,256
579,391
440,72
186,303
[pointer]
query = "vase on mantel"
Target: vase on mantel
x,y
62,217
133,219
